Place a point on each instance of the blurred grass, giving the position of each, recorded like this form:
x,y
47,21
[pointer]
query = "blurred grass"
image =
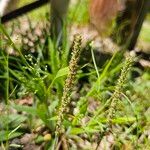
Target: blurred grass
x,y
78,12
144,37
37,13
145,32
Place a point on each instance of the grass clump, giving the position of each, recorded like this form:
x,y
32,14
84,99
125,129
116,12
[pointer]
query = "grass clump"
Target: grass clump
x,y
103,104
71,115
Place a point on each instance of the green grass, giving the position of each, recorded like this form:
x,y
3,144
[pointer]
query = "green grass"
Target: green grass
x,y
36,15
144,35
111,103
